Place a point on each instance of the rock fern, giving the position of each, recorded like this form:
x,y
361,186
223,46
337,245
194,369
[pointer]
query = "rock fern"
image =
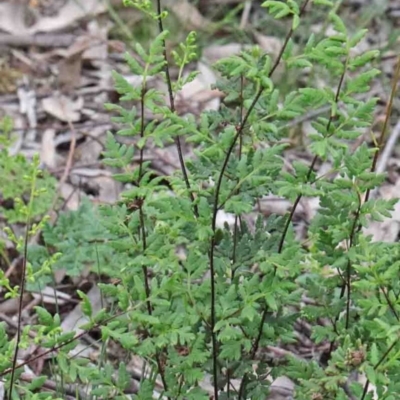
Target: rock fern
x,y
198,300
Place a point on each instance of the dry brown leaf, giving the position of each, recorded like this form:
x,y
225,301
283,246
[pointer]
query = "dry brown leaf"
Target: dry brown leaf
x,y
362,379
274,205
70,195
63,108
50,295
244,20
198,95
90,151
76,318
11,306
109,189
270,44
188,15
12,16
213,2
27,105
136,80
223,217
83,172
48,155
17,141
71,12
98,180
282,388
69,72
46,40
63,138
387,230
99,50
215,52
79,45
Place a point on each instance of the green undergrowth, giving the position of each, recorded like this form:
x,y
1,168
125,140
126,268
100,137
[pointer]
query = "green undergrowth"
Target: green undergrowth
x,y
26,195
196,299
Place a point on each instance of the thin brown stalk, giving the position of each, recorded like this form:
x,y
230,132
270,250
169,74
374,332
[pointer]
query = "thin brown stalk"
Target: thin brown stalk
x,y
142,232
311,168
382,359
66,343
238,134
389,107
172,108
20,307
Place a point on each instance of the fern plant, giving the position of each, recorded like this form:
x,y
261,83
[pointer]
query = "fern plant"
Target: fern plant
x,y
196,300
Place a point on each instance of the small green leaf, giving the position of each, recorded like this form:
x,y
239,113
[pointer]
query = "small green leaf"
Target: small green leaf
x,y
85,305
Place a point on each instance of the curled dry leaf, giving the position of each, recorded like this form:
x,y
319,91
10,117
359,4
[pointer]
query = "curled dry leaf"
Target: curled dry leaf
x,y
69,68
69,75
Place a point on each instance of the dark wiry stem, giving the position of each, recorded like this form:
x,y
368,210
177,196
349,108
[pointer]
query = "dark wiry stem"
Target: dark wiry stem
x,y
236,229
20,306
172,108
310,170
60,346
348,268
373,168
396,79
239,132
366,385
389,107
143,234
212,244
390,348
314,161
